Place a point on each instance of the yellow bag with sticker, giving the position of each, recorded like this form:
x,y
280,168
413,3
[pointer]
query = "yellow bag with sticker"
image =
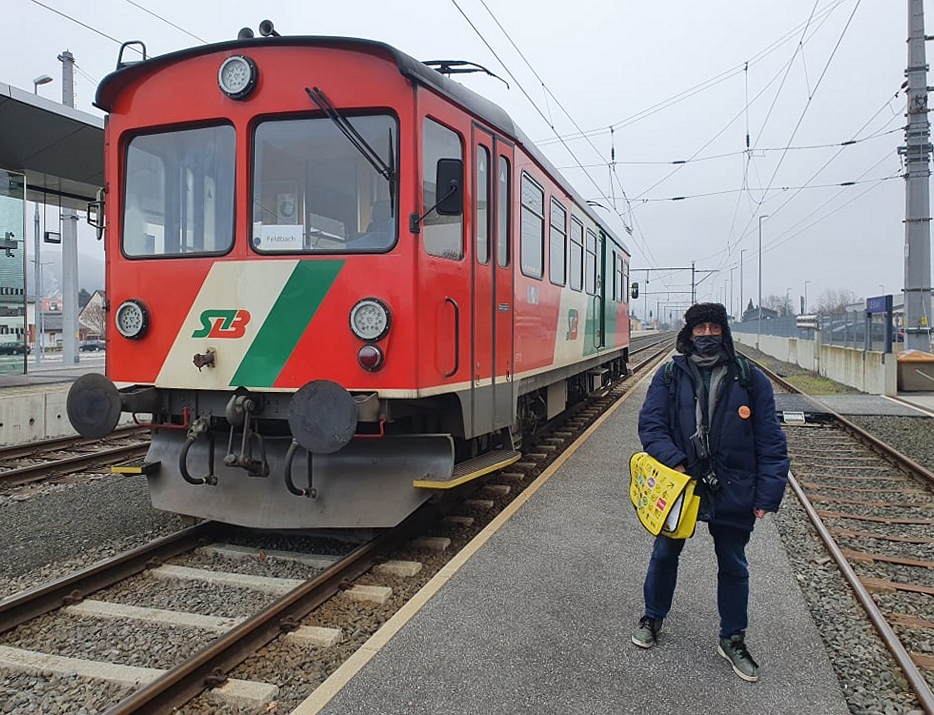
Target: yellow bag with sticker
x,y
664,498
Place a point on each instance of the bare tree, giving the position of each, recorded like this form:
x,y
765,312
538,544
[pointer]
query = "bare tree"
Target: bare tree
x,y
834,301
781,304
94,318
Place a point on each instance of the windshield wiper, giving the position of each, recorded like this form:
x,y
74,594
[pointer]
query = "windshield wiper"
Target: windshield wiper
x,y
355,138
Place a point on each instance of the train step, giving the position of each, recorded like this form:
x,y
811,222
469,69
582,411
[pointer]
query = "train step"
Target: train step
x,y
472,469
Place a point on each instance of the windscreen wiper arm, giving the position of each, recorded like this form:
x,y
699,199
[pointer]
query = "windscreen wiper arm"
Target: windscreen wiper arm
x,y
355,138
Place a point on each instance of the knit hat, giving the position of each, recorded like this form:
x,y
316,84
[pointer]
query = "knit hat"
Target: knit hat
x,y
704,313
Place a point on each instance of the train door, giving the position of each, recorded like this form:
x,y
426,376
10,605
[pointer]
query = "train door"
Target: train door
x,y
492,401
600,295
594,246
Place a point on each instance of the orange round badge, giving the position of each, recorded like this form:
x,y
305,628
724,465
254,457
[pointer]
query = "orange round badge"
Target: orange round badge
x,y
744,412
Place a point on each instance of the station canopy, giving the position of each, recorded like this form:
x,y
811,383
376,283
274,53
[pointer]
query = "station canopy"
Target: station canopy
x,y
58,148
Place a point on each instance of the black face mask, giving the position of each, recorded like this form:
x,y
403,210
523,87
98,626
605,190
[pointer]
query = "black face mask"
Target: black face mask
x,y
707,344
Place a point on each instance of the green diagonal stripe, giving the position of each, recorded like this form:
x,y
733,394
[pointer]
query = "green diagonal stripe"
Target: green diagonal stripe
x,y
287,321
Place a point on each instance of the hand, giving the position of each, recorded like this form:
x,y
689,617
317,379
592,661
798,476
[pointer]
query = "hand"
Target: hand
x,y
680,468
759,513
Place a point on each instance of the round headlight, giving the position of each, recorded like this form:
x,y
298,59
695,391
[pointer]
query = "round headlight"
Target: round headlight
x,y
237,76
132,319
369,319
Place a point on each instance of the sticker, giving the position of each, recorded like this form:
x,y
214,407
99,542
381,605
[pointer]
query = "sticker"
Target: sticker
x,y
744,412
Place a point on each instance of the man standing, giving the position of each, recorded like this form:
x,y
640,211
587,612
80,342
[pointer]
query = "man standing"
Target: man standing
x,y
712,415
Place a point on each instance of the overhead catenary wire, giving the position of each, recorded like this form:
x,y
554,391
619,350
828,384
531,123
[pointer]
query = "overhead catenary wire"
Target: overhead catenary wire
x,y
531,101
697,88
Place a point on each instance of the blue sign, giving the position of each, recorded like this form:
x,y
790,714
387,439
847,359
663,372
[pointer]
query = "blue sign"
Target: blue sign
x,y
879,304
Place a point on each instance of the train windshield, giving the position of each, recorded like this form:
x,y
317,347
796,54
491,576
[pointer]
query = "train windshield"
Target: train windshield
x,y
179,196
315,191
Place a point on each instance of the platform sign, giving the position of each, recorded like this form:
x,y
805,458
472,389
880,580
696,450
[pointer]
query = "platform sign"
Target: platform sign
x,y
879,304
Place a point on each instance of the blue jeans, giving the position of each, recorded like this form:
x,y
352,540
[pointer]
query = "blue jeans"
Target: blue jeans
x,y
732,577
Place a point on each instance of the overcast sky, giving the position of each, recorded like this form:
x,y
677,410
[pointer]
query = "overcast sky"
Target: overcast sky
x,y
677,82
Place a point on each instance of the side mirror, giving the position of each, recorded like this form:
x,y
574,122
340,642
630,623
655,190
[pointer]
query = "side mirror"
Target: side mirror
x,y
95,214
449,182
635,290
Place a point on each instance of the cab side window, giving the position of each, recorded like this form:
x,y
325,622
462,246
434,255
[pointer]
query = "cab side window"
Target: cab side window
x,y
443,236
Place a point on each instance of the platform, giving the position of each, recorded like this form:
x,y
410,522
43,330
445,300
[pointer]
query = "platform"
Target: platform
x,y
909,404
32,406
535,615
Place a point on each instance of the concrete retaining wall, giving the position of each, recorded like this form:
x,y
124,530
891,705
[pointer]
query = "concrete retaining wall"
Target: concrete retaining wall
x,y
870,371
34,412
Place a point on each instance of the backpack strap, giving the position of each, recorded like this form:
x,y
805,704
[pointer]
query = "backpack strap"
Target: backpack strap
x,y
744,370
669,371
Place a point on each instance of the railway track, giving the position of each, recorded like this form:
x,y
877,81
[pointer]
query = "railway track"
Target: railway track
x,y
36,461
243,656
873,509
291,672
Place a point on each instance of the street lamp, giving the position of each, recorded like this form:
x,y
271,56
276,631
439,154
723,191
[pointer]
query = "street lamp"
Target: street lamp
x,y
742,305
806,308
759,311
882,287
41,79
732,304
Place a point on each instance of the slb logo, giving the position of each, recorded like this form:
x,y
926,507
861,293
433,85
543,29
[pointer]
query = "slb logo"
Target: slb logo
x,y
222,324
572,325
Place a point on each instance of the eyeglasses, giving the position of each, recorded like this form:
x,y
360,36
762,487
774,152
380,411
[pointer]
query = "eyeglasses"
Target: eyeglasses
x,y
707,329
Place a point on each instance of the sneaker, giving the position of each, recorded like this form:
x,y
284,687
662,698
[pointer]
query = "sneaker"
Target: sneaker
x,y
646,635
734,650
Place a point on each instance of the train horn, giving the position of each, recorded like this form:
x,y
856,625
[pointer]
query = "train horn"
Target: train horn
x,y
266,28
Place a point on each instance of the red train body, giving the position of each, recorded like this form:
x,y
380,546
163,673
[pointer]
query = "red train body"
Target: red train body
x,y
337,281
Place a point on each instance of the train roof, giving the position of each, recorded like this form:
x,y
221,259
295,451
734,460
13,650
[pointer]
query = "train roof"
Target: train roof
x,y
408,66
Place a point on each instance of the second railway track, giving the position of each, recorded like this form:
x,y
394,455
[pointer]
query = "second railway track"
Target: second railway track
x,y
36,461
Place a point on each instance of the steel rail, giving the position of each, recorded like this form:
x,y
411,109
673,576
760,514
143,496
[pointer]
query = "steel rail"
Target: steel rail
x,y
33,603
857,431
208,667
913,675
30,449
35,472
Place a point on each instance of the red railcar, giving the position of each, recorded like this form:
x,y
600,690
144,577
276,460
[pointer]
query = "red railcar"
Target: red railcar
x,y
337,281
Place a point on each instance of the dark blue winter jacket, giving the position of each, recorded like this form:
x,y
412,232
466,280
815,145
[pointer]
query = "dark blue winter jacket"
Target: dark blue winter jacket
x,y
749,455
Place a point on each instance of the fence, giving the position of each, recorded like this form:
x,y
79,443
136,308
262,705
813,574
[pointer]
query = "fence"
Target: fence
x,y
847,329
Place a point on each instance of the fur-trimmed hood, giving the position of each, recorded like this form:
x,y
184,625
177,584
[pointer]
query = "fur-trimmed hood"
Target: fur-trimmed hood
x,y
704,313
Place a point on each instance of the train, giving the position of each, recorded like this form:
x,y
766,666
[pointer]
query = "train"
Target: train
x,y
338,282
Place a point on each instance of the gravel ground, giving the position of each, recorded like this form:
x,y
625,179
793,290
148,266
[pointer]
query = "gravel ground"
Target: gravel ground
x,y
48,531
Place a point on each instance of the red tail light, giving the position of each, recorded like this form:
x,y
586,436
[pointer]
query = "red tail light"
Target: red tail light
x,y
370,358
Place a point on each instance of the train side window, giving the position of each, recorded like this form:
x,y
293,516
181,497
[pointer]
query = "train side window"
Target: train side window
x,y
558,244
625,296
590,263
179,193
503,212
483,205
442,236
532,228
576,258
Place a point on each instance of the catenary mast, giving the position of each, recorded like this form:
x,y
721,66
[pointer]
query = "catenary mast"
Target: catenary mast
x,y
917,150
